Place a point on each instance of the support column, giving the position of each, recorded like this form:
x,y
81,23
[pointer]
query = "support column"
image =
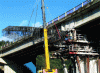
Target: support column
x,y
73,60
99,64
74,34
11,67
78,63
85,69
87,59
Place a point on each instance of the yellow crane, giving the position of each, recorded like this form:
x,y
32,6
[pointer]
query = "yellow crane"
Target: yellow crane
x,y
47,61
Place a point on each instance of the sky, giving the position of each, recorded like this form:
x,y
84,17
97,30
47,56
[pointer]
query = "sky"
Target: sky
x,y
18,12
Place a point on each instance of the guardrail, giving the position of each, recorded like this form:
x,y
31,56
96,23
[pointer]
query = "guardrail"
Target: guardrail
x,y
80,37
79,48
69,12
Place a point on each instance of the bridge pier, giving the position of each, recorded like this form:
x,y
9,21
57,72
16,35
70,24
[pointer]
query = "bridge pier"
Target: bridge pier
x,y
88,64
11,66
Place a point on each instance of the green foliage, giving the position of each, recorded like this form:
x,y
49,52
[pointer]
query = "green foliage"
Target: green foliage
x,y
54,63
3,43
40,62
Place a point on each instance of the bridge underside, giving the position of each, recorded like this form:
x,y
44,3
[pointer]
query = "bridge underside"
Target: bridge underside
x,y
29,54
91,29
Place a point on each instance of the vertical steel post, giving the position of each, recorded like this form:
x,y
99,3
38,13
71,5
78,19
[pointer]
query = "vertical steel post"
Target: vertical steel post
x,y
74,31
78,62
87,59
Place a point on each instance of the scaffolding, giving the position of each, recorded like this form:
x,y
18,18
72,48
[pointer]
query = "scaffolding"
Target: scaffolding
x,y
77,47
20,32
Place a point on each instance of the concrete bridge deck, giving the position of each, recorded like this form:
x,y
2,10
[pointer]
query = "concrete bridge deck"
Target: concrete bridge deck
x,y
26,50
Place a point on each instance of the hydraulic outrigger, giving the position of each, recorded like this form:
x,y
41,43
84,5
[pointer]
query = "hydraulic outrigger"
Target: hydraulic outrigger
x,y
47,61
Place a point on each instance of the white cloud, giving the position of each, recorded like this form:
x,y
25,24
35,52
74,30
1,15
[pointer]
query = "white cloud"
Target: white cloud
x,y
24,23
5,39
37,24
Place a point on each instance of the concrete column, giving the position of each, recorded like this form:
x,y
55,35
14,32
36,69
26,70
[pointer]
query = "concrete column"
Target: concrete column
x,y
11,67
74,34
99,65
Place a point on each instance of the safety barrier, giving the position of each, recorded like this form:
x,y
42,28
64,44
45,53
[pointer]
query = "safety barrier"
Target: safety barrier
x,y
78,7
79,48
70,11
55,19
80,37
62,16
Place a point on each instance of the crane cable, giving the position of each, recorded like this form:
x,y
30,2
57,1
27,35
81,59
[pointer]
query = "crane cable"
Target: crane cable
x,y
35,22
49,12
33,11
36,15
54,24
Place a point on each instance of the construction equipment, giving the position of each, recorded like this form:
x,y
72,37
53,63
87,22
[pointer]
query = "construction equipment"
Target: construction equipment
x,y
47,62
40,71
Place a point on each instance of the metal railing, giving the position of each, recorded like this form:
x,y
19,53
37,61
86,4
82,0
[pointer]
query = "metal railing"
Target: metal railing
x,y
80,37
80,48
70,11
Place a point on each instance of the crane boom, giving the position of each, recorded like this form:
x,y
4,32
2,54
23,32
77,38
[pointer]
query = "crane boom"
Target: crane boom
x,y
47,61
